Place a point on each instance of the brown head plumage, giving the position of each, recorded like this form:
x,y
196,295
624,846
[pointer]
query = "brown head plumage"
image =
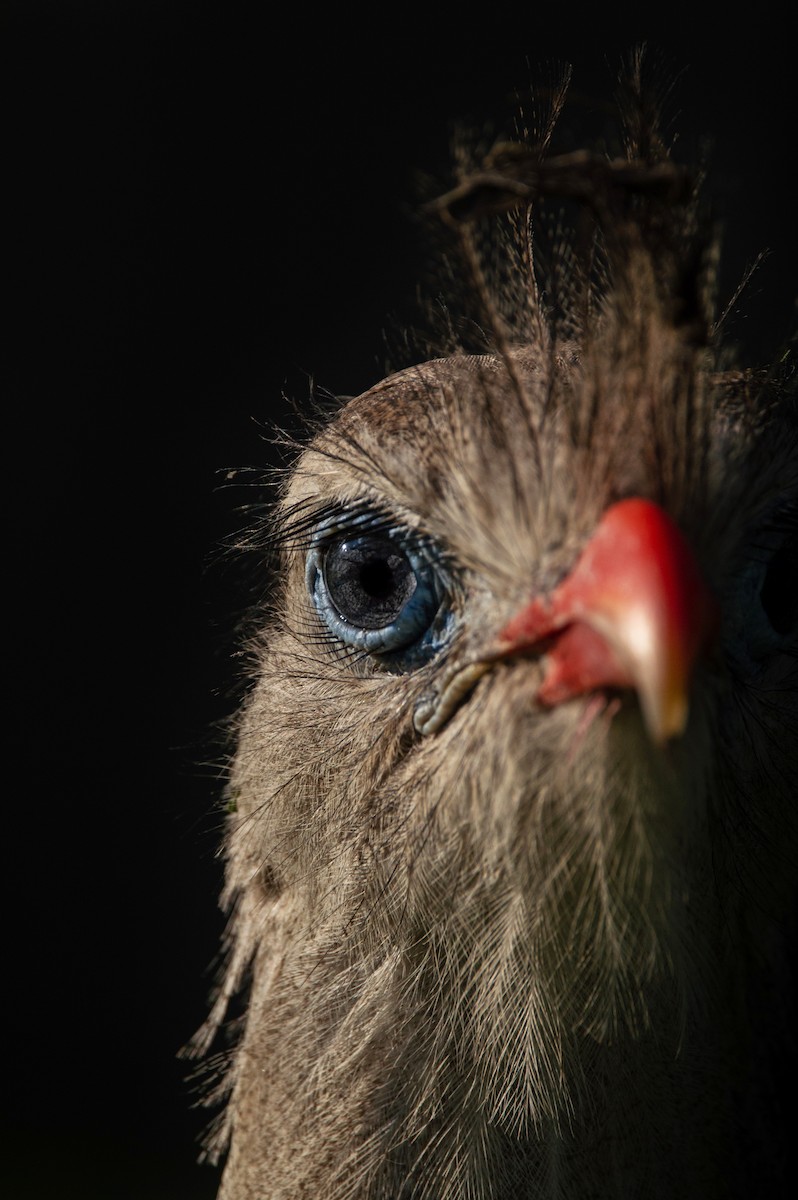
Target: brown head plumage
x,y
508,936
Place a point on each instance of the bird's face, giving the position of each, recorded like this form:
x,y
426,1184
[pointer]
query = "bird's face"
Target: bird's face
x,y
402,762
514,817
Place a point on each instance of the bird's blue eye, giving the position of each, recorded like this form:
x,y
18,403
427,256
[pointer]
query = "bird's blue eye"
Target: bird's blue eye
x,y
379,590
368,580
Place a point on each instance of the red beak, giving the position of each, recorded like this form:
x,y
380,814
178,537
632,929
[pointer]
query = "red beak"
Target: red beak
x,y
634,612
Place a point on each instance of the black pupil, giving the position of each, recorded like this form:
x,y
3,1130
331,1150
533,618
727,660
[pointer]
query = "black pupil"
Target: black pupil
x,y
369,580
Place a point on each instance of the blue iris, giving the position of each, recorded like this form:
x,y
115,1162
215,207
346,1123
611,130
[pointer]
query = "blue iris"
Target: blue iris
x,y
379,588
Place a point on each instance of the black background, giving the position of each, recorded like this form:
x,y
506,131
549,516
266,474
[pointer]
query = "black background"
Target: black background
x,y
211,205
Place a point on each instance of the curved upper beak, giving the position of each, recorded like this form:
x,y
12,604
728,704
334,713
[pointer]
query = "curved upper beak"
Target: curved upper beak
x,y
633,613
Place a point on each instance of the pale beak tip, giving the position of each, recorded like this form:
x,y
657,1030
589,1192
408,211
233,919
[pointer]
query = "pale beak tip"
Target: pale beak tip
x,y
665,714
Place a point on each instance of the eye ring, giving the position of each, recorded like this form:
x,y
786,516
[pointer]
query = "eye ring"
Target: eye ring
x,y
378,588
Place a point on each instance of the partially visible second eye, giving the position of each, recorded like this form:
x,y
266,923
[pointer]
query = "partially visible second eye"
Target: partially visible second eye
x,y
764,613
380,590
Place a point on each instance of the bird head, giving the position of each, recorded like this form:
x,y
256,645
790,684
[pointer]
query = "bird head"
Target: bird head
x,y
521,747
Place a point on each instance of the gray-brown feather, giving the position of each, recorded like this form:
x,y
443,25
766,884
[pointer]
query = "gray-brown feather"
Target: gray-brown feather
x,y
528,954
